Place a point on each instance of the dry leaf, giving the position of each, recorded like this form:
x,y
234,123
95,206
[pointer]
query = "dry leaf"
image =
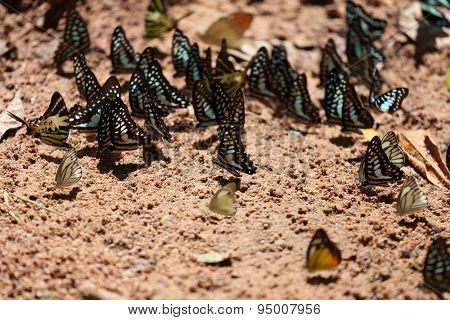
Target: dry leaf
x,y
8,123
424,155
231,28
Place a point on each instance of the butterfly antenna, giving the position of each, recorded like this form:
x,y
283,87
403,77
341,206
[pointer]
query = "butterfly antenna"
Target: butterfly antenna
x,y
12,115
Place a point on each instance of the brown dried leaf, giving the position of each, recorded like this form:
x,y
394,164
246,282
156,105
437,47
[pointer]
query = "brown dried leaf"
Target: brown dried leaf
x,y
425,157
8,123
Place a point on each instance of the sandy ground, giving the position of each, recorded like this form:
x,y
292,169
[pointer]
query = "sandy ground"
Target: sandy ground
x,y
136,231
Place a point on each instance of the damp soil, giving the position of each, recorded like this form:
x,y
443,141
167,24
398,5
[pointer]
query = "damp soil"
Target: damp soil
x,y
136,231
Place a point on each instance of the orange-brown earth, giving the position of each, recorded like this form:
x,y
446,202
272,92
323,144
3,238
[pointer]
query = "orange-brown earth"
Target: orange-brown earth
x,y
137,230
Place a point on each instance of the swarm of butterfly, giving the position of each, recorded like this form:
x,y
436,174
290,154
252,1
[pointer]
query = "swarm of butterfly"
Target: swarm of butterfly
x,y
218,99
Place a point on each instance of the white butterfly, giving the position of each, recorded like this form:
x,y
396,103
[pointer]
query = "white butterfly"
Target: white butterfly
x,y
69,170
223,200
411,198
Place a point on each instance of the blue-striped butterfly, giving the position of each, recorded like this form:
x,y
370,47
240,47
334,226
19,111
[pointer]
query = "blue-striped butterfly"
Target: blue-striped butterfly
x,y
181,49
322,253
335,89
389,101
150,106
231,154
298,101
75,40
436,269
260,80
433,15
202,102
281,71
375,168
372,27
331,60
86,80
52,128
228,109
123,57
355,116
87,119
167,94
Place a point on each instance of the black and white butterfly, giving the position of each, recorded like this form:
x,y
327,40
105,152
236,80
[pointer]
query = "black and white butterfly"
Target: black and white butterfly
x,y
298,101
87,119
69,170
372,27
260,80
391,148
281,71
375,168
167,94
86,80
147,105
331,60
75,40
389,101
228,109
411,198
117,130
355,116
181,49
123,57
231,154
436,269
433,15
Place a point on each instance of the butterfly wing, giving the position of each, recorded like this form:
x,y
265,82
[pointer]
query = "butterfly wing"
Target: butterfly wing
x,y
436,269
411,198
259,80
331,60
202,101
181,49
86,80
355,116
76,38
335,90
390,101
377,168
299,102
53,127
123,57
223,201
372,27
86,120
69,170
392,149
322,253
434,16
104,127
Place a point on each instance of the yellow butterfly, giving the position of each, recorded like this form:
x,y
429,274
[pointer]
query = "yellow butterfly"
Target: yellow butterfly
x,y
322,253
223,200
158,21
53,127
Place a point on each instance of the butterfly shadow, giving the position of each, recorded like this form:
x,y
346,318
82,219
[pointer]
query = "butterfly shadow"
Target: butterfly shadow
x,y
205,144
50,158
371,192
72,195
319,280
426,40
343,141
223,181
88,151
183,126
154,153
107,164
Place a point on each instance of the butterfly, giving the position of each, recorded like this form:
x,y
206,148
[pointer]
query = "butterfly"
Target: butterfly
x,y
355,116
123,57
335,90
194,67
202,102
75,40
259,80
86,120
228,109
372,27
436,269
69,170
390,146
158,21
223,201
331,60
86,80
167,94
411,198
181,49
117,130
226,73
299,102
322,253
148,106
53,127
389,101
375,168
447,157
433,15
231,154
281,71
